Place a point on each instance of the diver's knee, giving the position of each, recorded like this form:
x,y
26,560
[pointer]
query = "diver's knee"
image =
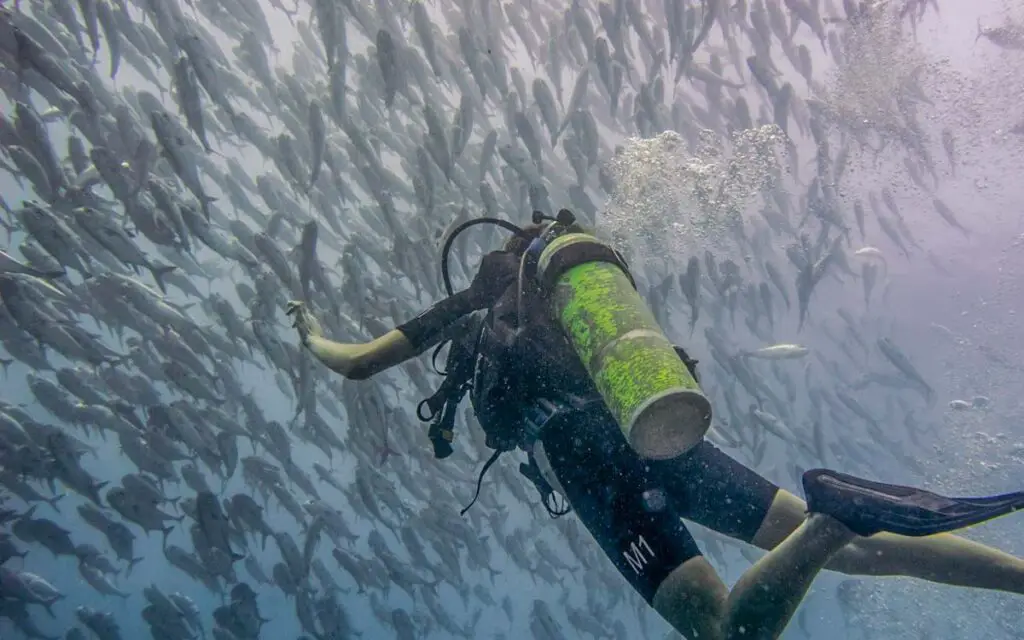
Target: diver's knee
x,y
860,557
693,599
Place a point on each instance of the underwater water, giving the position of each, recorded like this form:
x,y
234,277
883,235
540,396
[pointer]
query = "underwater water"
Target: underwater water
x,y
878,151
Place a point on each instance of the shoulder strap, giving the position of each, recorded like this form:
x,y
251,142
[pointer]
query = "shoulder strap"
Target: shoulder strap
x,y
440,408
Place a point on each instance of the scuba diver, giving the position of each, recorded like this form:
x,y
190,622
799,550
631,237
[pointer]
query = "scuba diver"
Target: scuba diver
x,y
557,350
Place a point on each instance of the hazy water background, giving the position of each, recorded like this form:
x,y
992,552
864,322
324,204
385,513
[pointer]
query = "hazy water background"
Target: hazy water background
x,y
979,301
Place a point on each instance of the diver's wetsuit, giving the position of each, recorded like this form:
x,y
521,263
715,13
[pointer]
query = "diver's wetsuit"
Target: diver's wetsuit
x,y
632,506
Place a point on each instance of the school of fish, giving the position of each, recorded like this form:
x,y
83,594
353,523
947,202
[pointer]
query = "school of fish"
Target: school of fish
x,y
182,177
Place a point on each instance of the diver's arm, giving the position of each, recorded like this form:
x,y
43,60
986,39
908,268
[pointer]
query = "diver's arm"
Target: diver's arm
x,y
361,361
441,321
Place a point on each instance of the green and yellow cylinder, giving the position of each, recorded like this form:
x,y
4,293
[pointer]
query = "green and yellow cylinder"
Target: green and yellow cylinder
x,y
646,387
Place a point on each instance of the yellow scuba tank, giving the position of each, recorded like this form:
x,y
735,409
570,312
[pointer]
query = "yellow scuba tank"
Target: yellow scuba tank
x,y
646,386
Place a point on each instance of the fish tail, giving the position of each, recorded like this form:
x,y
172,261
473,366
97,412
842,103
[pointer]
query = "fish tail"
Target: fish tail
x,y
929,392
312,180
205,203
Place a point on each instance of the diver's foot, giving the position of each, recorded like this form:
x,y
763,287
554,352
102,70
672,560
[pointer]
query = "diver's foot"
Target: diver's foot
x,y
867,508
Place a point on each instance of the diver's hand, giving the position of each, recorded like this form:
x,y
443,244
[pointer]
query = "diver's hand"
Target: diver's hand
x,y
498,270
304,321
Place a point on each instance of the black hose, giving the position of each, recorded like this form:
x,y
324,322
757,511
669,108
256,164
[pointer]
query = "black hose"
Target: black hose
x,y
446,249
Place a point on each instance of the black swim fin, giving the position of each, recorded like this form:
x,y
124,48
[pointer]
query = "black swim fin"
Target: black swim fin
x,y
867,508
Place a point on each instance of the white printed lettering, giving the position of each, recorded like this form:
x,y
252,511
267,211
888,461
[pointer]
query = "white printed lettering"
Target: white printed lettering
x,y
636,557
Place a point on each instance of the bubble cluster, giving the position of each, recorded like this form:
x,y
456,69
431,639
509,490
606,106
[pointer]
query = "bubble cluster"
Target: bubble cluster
x,y
669,201
884,86
879,66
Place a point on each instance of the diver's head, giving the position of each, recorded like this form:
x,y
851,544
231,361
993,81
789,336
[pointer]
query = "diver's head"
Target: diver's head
x,y
518,243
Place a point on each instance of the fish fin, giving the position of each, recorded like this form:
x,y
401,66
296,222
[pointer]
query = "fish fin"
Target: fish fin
x,y
158,274
115,360
6,364
131,565
385,452
54,500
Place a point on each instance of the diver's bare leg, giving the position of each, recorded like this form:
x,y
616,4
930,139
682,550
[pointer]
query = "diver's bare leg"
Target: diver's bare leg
x,y
694,601
943,558
761,604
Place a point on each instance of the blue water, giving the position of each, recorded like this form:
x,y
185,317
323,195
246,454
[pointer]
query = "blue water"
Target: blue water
x,y
977,303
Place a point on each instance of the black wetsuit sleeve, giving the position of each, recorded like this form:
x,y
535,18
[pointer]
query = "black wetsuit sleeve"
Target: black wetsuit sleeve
x,y
498,271
438,322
